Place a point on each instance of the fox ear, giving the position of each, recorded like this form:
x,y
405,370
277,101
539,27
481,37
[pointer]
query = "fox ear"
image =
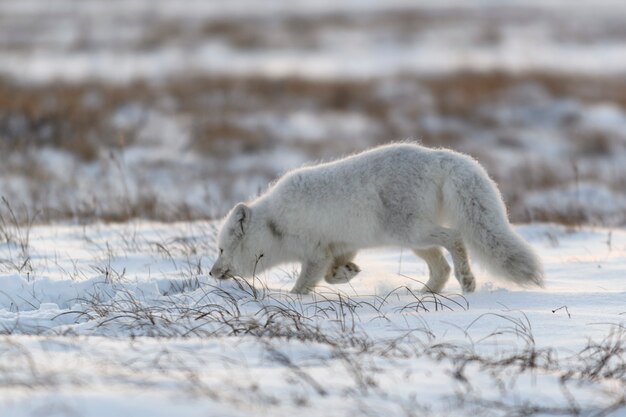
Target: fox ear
x,y
241,214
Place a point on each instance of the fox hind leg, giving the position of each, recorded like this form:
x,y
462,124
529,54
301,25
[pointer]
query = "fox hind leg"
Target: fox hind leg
x,y
451,240
438,268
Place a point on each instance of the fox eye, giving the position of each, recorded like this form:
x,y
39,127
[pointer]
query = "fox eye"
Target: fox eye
x,y
221,251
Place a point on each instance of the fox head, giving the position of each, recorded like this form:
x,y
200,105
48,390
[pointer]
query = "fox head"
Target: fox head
x,y
236,243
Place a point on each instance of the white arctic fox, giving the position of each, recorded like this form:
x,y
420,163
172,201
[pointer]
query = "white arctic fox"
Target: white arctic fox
x,y
396,195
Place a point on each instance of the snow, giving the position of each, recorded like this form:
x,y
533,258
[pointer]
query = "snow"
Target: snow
x,y
584,198
82,45
606,117
109,319
100,320
434,58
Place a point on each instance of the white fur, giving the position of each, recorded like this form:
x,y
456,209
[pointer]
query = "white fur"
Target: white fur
x,y
396,195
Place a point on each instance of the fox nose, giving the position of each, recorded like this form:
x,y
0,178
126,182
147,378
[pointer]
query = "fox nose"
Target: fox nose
x,y
220,273
216,272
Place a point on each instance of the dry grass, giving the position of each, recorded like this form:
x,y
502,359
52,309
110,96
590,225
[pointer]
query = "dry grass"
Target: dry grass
x,y
81,119
76,117
68,117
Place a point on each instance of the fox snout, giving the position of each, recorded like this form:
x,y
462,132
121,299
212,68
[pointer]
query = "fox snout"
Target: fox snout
x,y
220,273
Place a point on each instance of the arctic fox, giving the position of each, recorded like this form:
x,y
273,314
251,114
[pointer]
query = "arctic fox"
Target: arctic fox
x,y
402,195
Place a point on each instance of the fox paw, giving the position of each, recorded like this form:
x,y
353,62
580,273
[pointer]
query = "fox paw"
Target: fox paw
x,y
468,283
342,273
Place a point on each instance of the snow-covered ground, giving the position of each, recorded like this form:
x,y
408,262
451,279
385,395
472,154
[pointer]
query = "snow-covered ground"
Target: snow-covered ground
x,y
94,39
122,319
172,111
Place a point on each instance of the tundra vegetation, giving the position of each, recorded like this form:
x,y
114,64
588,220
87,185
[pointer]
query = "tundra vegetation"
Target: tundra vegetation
x,y
127,130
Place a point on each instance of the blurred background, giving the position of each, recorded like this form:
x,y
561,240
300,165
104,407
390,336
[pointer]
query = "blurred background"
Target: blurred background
x,y
175,110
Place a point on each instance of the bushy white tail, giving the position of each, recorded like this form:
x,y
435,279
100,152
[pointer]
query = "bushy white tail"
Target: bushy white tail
x,y
474,205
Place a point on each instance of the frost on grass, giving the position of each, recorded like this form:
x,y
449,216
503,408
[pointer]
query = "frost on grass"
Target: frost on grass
x,y
108,313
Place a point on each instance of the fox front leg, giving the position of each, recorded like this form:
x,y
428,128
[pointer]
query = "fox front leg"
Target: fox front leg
x,y
311,273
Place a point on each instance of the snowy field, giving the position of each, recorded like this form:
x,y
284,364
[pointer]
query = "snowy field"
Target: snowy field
x,y
124,320
127,128
322,39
